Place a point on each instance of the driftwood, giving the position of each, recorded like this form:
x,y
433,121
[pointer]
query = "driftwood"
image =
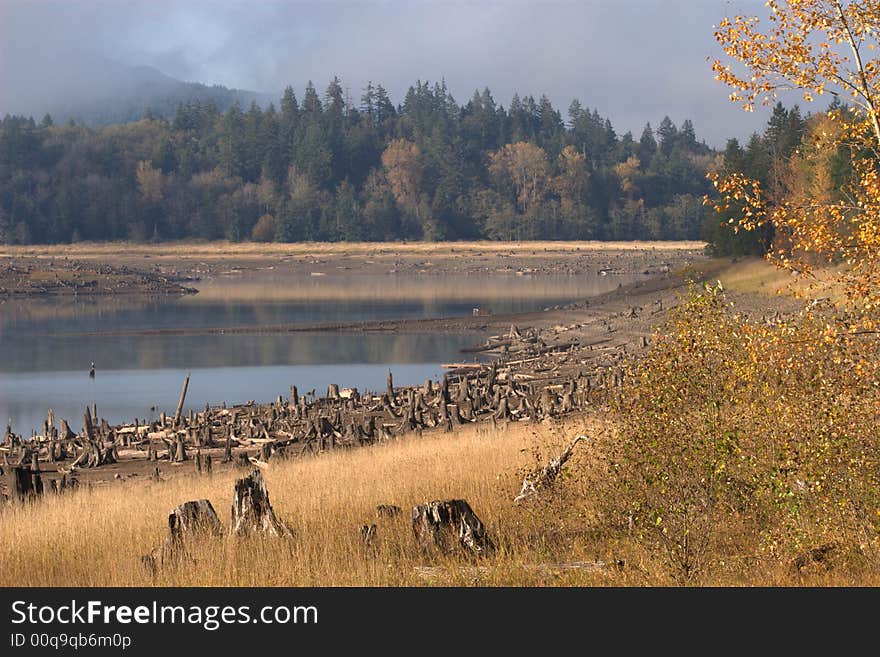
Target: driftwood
x,y
186,520
544,477
475,571
251,511
445,523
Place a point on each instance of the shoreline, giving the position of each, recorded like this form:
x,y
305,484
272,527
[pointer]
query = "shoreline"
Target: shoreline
x,y
548,364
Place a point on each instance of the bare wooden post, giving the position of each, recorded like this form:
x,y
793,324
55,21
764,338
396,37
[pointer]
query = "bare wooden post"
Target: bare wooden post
x,y
389,385
333,391
180,401
294,396
251,510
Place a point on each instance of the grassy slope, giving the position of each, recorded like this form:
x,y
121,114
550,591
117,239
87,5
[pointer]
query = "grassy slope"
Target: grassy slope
x,y
96,537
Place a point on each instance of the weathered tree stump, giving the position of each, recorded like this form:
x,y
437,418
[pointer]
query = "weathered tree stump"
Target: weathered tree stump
x,y
22,483
445,523
36,480
66,432
388,511
179,450
251,510
368,535
190,519
265,452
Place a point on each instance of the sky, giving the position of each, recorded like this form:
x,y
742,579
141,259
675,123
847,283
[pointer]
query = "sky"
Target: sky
x,y
634,61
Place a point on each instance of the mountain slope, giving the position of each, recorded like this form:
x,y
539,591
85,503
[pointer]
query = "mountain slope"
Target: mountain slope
x,y
109,93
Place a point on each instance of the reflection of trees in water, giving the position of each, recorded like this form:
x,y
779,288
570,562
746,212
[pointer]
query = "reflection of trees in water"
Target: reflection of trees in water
x,y
25,324
48,310
178,352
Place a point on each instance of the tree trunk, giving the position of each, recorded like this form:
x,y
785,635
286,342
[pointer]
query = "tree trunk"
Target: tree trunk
x,y
180,402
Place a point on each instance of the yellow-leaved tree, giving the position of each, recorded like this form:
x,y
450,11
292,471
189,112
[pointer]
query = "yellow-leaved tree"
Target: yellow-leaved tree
x,y
746,449
820,48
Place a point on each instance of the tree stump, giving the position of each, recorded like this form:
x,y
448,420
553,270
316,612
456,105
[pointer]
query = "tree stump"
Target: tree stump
x,y
22,483
251,510
388,511
445,523
194,518
265,452
368,535
179,450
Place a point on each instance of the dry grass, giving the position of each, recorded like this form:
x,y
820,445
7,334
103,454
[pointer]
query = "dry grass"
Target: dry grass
x,y
96,537
754,275
84,250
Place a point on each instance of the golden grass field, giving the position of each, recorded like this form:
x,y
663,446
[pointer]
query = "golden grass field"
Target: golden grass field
x,y
96,537
226,249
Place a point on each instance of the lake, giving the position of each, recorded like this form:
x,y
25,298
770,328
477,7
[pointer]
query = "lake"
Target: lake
x,y
47,344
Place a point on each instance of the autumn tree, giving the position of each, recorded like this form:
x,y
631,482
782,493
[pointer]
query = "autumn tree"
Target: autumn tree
x,y
150,181
402,162
816,47
526,166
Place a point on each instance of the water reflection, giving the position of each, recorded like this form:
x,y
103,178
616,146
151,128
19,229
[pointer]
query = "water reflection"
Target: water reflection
x,y
46,344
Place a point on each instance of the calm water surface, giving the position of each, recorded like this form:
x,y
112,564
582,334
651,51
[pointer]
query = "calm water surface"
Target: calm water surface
x,y
46,345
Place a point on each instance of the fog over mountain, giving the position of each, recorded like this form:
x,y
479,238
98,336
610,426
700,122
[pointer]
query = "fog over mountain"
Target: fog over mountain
x,y
633,60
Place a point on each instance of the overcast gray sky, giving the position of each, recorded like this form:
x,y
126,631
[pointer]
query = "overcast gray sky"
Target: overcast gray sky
x,y
633,60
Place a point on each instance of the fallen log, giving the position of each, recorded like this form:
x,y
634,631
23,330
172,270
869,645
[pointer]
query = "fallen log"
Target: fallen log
x,y
544,477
